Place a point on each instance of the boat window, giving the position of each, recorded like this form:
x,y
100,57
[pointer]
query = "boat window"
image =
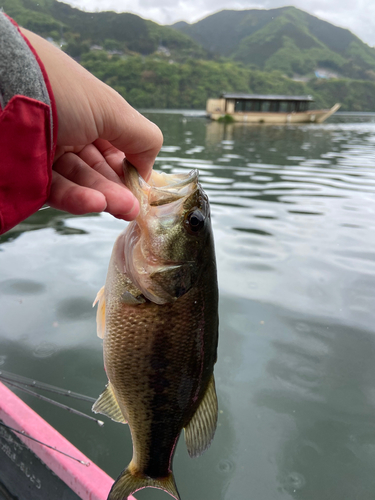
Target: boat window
x,y
255,105
291,106
249,105
239,105
283,108
303,106
274,106
287,106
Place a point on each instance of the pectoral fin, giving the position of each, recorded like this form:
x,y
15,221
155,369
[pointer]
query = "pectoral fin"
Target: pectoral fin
x,y
201,429
100,313
107,405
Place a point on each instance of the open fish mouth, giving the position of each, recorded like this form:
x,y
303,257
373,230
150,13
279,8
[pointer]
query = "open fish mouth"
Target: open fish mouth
x,y
162,188
160,254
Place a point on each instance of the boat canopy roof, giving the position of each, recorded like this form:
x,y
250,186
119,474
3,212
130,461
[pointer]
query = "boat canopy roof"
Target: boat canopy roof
x,y
268,97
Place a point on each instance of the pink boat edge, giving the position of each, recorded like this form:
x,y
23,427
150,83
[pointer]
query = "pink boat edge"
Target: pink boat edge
x,y
87,482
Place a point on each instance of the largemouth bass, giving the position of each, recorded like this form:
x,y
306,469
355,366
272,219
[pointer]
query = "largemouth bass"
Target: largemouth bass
x,y
158,317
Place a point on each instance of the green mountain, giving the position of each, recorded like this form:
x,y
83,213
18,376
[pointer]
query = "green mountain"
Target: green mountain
x,y
80,30
285,39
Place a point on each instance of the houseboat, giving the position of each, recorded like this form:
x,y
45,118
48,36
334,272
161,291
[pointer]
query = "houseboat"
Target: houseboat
x,y
257,108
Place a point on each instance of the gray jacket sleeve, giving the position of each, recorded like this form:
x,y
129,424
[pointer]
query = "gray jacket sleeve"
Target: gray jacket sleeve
x,y
27,129
20,73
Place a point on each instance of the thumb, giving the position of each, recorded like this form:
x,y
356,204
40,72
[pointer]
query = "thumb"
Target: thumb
x,y
130,132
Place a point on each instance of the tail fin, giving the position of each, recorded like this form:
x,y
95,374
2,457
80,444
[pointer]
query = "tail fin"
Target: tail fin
x,y
130,481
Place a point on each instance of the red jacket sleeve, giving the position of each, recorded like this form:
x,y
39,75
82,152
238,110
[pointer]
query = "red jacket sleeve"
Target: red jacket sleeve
x,y
28,132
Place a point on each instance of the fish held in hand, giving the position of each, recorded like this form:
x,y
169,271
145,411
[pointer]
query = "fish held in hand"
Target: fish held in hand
x,y
158,317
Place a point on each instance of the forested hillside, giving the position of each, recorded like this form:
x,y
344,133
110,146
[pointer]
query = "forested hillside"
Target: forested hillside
x,y
155,66
80,30
149,82
286,39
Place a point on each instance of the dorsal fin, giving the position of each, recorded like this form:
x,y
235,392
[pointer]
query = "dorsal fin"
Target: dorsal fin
x,y
201,429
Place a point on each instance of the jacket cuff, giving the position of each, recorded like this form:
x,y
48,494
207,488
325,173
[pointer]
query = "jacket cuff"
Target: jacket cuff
x,y
28,127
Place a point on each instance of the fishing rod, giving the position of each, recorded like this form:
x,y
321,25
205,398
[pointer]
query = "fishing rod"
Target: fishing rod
x,y
23,433
55,403
28,382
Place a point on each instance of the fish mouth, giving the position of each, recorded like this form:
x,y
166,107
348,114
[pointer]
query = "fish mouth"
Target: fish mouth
x,y
163,198
161,189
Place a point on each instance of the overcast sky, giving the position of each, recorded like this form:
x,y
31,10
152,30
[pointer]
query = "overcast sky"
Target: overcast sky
x,y
356,15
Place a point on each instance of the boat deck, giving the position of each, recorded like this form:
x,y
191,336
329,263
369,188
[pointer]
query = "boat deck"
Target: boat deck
x,y
31,471
24,476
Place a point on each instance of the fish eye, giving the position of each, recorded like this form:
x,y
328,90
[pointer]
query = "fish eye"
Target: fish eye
x,y
194,221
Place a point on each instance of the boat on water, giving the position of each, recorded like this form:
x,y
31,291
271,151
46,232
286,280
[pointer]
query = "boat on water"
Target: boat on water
x,y
38,463
258,108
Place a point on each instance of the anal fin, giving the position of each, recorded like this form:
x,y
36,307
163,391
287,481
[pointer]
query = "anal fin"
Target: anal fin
x,y
107,405
201,429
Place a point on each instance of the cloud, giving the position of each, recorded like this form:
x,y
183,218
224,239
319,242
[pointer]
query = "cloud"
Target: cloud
x,y
358,16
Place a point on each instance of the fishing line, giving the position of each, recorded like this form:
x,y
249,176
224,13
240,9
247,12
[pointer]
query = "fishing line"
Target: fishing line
x,y
53,402
23,433
7,376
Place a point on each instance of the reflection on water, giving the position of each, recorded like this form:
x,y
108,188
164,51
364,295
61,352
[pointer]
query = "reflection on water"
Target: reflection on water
x,y
46,217
293,212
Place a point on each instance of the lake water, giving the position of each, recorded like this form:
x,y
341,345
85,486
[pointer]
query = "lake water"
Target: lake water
x,y
294,219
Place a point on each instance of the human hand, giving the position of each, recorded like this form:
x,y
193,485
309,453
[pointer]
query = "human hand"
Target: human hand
x,y
97,128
